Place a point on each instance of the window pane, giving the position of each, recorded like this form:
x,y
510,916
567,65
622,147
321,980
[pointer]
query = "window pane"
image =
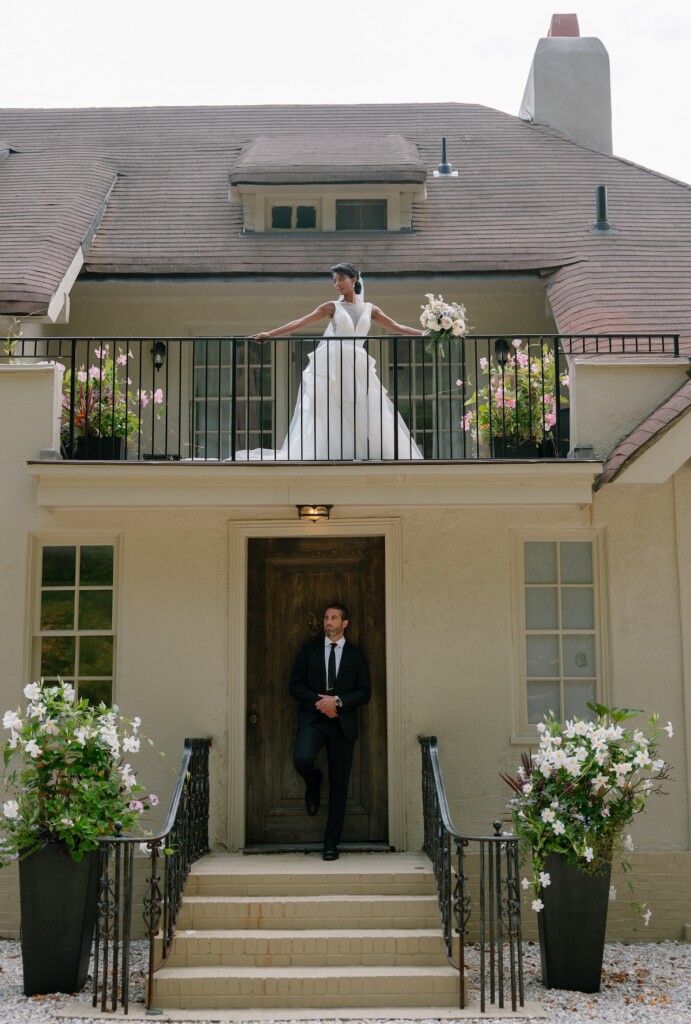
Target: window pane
x,y
577,608
540,562
96,609
281,216
57,609
96,565
361,215
59,565
541,608
306,217
576,562
577,696
57,655
579,655
542,655
96,690
96,656
543,697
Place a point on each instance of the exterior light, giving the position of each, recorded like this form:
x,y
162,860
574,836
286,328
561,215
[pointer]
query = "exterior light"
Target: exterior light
x,y
159,353
315,513
502,351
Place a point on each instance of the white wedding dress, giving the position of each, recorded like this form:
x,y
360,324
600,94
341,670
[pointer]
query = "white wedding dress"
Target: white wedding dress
x,y
342,410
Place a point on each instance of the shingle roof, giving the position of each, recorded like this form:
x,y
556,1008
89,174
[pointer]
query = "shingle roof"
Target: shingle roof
x,y
306,158
524,199
50,206
645,435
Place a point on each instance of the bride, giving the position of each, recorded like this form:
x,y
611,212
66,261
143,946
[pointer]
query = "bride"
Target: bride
x,y
342,409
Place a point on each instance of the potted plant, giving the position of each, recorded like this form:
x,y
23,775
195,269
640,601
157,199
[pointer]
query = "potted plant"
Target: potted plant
x,y
67,784
516,408
106,411
573,800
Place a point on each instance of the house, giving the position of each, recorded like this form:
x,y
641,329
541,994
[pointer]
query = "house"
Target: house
x,y
179,580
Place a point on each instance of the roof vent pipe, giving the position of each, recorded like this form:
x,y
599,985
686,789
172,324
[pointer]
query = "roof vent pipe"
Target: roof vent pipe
x,y
601,225
445,170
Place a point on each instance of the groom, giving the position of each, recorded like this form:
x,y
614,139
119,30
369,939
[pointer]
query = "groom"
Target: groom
x,y
329,681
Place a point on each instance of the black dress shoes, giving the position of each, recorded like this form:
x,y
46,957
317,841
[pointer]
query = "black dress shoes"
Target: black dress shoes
x,y
330,853
312,799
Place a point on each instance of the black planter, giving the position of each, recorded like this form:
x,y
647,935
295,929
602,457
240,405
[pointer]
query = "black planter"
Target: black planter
x,y
105,449
59,902
505,447
572,926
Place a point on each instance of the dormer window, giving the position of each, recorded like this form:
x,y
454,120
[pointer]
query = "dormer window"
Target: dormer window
x,y
361,215
293,217
316,182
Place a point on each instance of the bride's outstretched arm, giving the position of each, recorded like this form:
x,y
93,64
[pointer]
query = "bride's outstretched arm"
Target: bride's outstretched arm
x,y
381,318
326,309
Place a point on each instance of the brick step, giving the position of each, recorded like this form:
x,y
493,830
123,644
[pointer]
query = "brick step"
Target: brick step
x,y
290,987
300,912
308,948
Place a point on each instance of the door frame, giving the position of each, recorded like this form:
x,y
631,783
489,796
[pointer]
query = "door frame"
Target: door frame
x,y
239,534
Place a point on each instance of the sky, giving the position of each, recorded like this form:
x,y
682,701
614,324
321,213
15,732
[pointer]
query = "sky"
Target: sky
x,y
85,53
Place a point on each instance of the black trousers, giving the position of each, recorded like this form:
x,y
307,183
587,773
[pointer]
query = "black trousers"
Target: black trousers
x,y
339,753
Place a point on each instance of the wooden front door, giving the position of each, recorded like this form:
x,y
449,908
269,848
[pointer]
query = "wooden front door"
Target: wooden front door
x,y
291,581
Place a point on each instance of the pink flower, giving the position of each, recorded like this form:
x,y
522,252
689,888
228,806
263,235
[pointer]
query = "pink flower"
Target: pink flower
x,y
136,805
101,353
522,358
467,421
153,799
483,363
158,396
143,399
81,376
516,342
122,359
94,372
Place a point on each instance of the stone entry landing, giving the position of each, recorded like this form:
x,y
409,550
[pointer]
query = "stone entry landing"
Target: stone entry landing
x,y
293,931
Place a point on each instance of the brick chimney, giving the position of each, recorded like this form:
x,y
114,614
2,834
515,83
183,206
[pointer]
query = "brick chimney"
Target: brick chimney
x,y
568,87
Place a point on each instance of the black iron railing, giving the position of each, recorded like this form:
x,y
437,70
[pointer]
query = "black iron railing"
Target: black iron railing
x,y
233,399
183,840
493,911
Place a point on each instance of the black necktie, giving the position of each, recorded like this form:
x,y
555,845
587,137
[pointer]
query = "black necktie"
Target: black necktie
x,y
331,672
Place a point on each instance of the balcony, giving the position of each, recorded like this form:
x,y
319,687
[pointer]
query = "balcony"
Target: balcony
x,y
234,400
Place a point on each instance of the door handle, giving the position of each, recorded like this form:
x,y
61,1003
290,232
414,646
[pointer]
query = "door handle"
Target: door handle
x,y
252,719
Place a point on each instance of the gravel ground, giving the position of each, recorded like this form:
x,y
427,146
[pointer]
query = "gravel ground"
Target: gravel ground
x,y
645,983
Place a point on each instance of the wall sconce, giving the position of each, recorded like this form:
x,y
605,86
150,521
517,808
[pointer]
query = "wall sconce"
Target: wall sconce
x,y
159,353
502,350
315,513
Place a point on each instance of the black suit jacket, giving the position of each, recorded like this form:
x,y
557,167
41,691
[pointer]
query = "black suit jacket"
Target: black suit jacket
x,y
308,680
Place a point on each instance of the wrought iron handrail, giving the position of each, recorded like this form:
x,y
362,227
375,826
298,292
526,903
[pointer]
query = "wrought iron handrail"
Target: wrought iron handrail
x,y
219,398
499,903
183,839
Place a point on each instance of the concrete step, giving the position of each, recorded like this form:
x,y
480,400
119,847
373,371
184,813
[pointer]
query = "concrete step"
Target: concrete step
x,y
300,912
416,947
322,987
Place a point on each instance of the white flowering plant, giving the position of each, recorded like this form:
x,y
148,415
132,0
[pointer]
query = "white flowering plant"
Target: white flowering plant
x,y
66,778
578,793
442,321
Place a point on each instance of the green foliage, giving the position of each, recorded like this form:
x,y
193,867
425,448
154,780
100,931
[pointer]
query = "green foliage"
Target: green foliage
x,y
68,780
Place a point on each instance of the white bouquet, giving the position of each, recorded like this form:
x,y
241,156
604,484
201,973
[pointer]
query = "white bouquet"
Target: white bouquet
x,y
442,320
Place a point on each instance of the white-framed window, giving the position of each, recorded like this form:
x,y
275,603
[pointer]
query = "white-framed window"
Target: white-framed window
x,y
559,627
74,632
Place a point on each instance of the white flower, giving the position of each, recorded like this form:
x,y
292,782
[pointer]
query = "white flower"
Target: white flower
x,y
545,878
640,738
136,722
659,764
128,778
540,726
130,744
646,917
525,883
668,729
612,894
559,828
537,905
527,788
81,735
33,748
11,720
588,853
10,809
599,780
642,759
627,842
548,815
67,822
68,692
32,691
